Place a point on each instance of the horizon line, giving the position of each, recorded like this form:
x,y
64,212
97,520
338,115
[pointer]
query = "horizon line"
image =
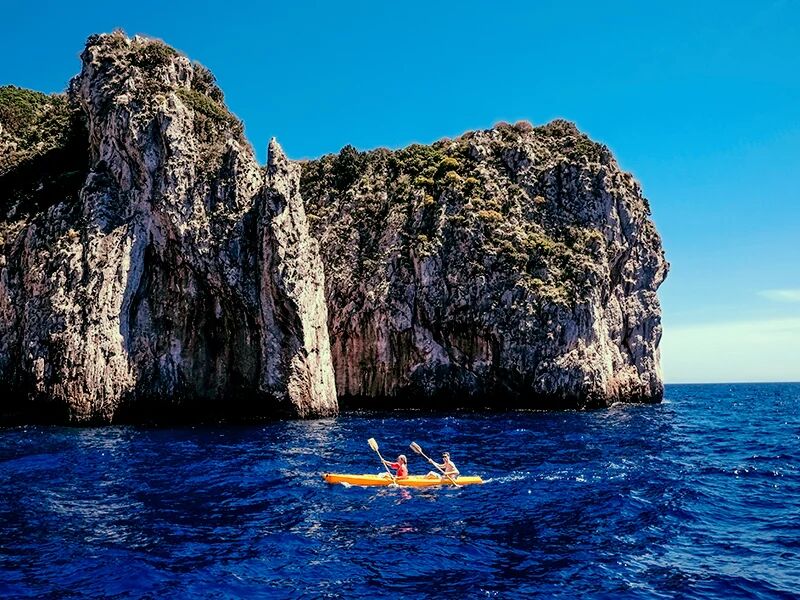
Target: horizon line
x,y
728,382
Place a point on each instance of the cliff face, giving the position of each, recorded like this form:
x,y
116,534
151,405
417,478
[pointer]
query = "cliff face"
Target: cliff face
x,y
511,267
172,274
150,268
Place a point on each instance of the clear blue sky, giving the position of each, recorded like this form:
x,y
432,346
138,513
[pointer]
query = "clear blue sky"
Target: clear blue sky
x,y
700,100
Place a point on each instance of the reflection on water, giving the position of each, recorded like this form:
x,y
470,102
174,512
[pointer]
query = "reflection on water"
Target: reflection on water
x,y
697,497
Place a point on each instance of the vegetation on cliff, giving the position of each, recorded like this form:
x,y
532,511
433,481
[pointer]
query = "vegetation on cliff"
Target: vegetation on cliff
x,y
153,64
43,154
497,264
33,122
145,257
44,142
454,195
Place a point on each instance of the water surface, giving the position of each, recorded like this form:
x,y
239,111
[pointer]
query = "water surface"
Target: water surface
x,y
698,497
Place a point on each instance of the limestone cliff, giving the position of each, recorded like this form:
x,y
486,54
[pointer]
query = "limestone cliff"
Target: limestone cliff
x,y
150,268
511,267
167,273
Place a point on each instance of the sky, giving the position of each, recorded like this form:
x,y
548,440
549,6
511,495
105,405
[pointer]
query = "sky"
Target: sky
x,y
699,100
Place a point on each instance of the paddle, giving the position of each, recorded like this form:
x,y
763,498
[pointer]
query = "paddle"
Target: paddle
x,y
374,445
416,448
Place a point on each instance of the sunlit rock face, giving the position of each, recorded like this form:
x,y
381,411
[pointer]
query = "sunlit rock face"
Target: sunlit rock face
x,y
516,266
151,269
167,273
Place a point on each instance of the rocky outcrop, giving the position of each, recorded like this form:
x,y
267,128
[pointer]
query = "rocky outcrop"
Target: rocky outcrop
x,y
511,267
150,268
178,277
296,352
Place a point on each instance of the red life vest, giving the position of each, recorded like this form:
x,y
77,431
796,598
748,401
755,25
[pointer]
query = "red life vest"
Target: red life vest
x,y
402,470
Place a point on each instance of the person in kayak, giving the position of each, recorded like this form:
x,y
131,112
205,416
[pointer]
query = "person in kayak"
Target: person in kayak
x,y
401,466
449,469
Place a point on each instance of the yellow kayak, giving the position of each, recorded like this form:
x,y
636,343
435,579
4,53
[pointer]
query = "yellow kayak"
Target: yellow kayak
x,y
410,481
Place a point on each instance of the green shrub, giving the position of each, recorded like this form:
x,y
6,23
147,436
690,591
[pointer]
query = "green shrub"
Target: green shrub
x,y
201,103
595,236
539,243
535,282
452,177
583,146
153,53
472,182
555,294
558,128
418,159
19,107
347,167
212,123
421,181
205,83
490,216
36,121
448,163
48,159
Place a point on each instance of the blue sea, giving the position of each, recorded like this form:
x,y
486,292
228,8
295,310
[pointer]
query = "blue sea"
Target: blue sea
x,y
697,497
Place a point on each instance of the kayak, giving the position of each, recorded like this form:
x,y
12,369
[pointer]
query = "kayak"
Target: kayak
x,y
410,481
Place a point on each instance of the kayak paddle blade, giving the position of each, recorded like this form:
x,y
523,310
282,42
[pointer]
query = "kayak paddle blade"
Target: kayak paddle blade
x,y
416,448
373,444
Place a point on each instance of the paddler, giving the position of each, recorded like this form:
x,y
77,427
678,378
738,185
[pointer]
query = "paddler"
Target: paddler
x,y
447,467
401,466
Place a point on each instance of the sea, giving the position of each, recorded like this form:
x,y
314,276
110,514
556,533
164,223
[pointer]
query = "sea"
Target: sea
x,y
696,497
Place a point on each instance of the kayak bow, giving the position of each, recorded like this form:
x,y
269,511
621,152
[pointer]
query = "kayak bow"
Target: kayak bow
x,y
410,481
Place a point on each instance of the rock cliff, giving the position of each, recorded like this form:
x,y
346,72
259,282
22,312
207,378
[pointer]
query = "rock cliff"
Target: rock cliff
x,y
511,267
151,269
164,273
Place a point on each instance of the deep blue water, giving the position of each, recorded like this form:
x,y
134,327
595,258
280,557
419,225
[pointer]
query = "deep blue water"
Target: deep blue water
x,y
698,497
